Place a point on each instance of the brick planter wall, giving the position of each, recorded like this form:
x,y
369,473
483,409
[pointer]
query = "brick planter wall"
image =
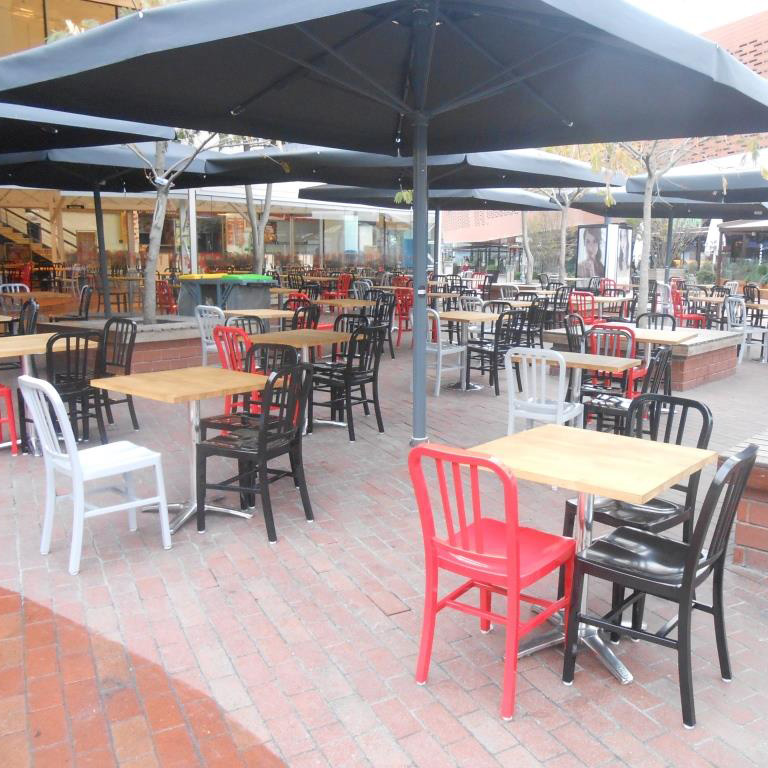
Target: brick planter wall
x,y
690,372
166,355
752,522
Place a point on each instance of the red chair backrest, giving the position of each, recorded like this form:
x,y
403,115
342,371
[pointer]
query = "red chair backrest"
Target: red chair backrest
x,y
403,300
582,303
25,275
342,285
463,535
677,302
606,282
165,295
232,344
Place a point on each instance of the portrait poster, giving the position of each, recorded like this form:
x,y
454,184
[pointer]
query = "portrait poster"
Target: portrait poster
x,y
591,251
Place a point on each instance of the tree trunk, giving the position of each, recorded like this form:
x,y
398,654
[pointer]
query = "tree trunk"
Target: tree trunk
x,y
186,256
563,237
155,237
645,257
258,226
526,248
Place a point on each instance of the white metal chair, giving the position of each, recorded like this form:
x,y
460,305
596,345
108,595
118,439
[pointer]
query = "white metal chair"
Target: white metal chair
x,y
733,287
531,402
14,288
737,321
441,349
208,317
102,461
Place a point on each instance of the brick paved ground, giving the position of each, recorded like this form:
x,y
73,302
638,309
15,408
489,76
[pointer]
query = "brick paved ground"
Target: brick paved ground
x,y
228,651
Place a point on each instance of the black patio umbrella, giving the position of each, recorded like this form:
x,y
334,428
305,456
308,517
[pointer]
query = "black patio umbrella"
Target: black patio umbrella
x,y
398,77
472,170
114,168
704,181
29,128
630,205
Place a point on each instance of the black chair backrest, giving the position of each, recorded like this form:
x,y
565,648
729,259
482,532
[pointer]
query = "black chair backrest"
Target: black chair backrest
x,y
306,317
346,323
574,332
751,293
629,308
728,484
544,280
496,306
554,285
659,321
295,280
384,310
292,303
527,295
85,302
75,359
251,325
509,330
364,350
658,370
117,342
372,294
562,297
27,323
668,417
283,405
720,290
535,319
265,358
594,284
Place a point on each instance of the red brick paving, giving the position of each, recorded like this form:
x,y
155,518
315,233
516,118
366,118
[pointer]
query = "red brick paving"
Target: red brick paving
x,y
227,651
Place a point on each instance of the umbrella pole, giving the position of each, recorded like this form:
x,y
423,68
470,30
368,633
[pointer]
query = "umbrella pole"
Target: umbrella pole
x,y
103,267
420,238
668,260
437,264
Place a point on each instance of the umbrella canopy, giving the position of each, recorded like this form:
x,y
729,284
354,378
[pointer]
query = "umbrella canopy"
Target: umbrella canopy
x,y
629,205
486,74
29,129
704,181
439,199
511,168
113,168
398,77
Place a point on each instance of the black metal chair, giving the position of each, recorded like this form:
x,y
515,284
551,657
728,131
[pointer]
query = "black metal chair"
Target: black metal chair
x,y
383,315
71,360
251,325
256,441
535,321
508,332
84,306
307,316
345,380
345,323
117,342
558,307
574,332
22,325
659,321
649,564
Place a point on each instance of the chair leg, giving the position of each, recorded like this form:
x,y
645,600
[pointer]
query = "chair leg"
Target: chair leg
x,y
485,605
684,664
616,600
376,406
495,377
130,494
78,522
510,659
266,503
132,412
300,479
572,637
348,405
719,617
389,339
50,510
99,419
427,627
165,528
200,467
107,405
366,407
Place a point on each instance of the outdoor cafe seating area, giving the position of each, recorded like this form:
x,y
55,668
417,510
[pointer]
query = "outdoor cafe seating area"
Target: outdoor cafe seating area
x,y
295,419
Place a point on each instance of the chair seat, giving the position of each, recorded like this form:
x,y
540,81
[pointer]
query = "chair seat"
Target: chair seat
x,y
112,459
539,552
445,348
641,555
655,515
525,409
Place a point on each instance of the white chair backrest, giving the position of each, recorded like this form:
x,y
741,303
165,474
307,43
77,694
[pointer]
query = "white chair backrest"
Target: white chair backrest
x,y
508,292
208,317
14,288
732,286
470,304
46,407
735,313
664,293
535,365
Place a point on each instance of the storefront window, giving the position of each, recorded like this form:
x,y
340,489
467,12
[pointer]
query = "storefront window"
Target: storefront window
x,y
79,12
22,25
209,235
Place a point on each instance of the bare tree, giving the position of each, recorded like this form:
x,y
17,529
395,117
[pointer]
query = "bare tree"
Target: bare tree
x,y
526,247
162,179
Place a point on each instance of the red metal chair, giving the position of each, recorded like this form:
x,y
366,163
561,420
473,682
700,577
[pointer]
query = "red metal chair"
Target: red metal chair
x,y
10,419
403,307
166,302
604,283
682,316
25,275
582,303
620,343
496,556
232,344
341,291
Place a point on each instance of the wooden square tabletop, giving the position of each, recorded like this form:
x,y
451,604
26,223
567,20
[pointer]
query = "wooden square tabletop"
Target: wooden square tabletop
x,y
460,316
606,363
624,468
31,344
5,318
302,337
183,385
264,313
346,303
